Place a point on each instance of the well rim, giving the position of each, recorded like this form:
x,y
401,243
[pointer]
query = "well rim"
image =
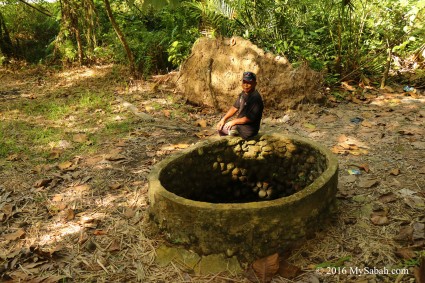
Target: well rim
x,y
155,186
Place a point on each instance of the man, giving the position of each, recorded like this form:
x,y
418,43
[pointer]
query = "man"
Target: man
x,y
249,109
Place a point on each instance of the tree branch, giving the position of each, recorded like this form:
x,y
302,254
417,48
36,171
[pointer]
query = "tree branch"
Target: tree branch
x,y
37,9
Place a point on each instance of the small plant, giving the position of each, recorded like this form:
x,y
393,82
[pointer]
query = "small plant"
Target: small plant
x,y
176,53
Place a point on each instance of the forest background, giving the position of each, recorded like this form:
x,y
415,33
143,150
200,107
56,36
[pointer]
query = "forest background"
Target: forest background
x,y
347,40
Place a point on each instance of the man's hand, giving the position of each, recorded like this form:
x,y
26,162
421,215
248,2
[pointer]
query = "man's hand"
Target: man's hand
x,y
228,125
220,124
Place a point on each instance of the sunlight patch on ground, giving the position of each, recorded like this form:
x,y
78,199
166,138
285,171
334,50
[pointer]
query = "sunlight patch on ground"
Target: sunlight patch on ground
x,y
58,231
393,100
72,76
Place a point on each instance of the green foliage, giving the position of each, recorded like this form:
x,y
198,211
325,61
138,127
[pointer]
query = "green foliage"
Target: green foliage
x,y
176,52
346,39
151,33
68,50
31,31
214,15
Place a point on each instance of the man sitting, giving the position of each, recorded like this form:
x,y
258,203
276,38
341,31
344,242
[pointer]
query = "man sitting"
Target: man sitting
x,y
249,109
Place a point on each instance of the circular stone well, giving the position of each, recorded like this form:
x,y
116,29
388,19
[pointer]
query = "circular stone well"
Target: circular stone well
x,y
249,198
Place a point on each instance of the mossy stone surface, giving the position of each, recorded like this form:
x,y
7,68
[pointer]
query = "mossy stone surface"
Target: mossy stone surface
x,y
212,210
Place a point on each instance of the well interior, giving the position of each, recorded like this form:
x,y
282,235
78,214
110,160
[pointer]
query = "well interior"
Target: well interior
x,y
245,198
244,171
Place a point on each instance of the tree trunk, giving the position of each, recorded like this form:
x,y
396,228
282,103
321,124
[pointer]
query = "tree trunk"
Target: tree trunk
x,y
6,46
70,22
387,66
79,46
121,37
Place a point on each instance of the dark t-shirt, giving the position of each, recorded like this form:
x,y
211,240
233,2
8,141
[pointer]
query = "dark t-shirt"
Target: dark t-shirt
x,y
250,106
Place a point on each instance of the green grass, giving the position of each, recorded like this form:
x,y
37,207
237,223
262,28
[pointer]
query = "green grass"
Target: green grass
x,y
35,126
27,138
59,107
118,127
92,101
52,110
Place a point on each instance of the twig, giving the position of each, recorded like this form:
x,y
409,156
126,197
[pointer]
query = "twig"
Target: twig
x,y
101,265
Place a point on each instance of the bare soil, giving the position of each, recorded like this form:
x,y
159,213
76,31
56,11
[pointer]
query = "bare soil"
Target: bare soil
x,y
84,219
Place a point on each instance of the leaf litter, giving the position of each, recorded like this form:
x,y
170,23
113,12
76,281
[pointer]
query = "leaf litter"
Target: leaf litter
x,y
88,220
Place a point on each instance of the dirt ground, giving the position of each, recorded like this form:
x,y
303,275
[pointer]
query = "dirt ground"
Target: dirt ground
x,y
82,217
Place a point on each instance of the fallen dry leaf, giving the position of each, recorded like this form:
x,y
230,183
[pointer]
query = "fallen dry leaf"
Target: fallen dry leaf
x,y
201,123
90,161
20,276
114,246
367,183
121,143
348,87
346,146
167,113
80,138
367,124
395,172
55,154
405,233
356,100
150,153
205,133
388,197
328,119
65,165
42,168
13,157
18,234
57,198
287,270
365,167
418,231
129,212
42,183
182,145
414,202
168,148
378,219
7,211
46,252
405,253
115,186
339,150
69,214
266,268
419,272
342,138
83,237
99,232
81,188
358,151
114,157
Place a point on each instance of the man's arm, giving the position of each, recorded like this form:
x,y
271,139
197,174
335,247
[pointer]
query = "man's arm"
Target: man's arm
x,y
238,121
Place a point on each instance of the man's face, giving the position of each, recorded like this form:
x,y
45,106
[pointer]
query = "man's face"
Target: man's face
x,y
247,86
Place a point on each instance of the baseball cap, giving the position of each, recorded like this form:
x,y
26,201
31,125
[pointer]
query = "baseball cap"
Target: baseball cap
x,y
249,77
